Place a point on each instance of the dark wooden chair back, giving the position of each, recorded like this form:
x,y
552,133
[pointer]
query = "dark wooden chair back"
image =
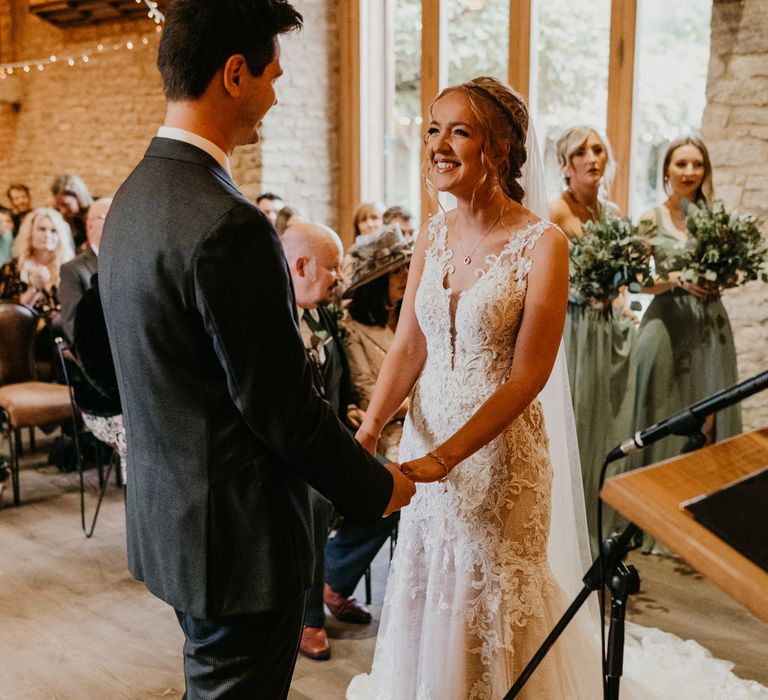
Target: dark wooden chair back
x,y
18,325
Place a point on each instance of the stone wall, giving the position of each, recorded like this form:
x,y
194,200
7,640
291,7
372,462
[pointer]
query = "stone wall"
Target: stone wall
x,y
735,129
96,118
297,158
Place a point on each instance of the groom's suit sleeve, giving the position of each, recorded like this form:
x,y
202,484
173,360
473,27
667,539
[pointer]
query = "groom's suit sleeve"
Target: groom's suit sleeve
x,y
243,292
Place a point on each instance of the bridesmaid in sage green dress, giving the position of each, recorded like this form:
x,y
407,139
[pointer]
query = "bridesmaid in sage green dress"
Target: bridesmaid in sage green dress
x,y
684,350
598,341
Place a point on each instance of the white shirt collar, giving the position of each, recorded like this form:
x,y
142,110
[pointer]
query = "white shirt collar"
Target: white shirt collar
x,y
171,132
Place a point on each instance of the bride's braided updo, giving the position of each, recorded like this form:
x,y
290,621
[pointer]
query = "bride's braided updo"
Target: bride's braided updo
x,y
503,116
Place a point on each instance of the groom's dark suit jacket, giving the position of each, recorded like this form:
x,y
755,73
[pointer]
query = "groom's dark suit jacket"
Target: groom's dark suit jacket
x,y
225,430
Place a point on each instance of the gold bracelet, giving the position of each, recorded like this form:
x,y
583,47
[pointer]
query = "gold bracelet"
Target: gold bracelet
x,y
442,463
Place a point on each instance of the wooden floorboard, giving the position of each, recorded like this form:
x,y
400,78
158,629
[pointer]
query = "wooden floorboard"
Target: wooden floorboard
x,y
74,625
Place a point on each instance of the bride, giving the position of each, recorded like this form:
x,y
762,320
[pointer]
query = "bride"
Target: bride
x,y
480,574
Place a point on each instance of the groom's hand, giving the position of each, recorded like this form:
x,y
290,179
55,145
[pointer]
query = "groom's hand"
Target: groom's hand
x,y
402,491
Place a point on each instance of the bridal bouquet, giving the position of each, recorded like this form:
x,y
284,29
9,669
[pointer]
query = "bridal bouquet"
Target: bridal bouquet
x,y
610,254
724,249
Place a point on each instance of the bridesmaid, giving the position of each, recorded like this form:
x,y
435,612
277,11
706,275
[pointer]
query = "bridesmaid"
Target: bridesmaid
x,y
685,347
597,340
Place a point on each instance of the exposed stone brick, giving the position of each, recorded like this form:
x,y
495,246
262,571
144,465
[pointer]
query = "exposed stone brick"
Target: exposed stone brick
x,y
735,128
96,119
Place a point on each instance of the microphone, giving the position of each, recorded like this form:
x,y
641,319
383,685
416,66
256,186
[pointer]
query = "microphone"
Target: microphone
x,y
690,419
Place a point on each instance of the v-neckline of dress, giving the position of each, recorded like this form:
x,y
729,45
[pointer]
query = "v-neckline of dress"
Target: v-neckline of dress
x,y
446,254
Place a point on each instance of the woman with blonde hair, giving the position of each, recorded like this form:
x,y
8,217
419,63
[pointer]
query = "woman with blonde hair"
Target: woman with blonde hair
x,y
598,336
587,167
43,245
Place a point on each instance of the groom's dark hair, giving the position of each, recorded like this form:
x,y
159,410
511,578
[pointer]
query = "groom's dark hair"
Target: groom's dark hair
x,y
200,35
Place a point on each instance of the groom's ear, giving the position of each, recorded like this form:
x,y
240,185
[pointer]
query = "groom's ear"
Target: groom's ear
x,y
232,74
300,265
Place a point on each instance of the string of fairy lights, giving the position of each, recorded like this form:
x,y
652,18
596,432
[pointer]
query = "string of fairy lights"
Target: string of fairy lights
x,y
85,56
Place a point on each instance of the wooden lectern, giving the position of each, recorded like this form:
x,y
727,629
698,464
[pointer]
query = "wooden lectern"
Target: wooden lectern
x,y
651,498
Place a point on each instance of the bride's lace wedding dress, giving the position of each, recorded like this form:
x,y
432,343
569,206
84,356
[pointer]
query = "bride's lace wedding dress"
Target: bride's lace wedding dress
x,y
470,594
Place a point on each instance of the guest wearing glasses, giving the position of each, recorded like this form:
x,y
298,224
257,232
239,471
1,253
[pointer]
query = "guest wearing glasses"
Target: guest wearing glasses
x,y
77,273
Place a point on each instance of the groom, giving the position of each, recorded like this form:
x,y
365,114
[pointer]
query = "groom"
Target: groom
x,y
225,432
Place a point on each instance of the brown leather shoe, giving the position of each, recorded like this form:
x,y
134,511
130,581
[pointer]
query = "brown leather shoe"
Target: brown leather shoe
x,y
314,644
346,609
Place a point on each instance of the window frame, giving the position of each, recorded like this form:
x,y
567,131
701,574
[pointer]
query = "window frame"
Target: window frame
x,y
621,89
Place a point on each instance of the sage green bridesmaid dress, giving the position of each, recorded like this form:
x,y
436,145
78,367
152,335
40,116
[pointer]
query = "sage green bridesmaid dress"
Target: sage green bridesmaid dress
x,y
598,347
684,352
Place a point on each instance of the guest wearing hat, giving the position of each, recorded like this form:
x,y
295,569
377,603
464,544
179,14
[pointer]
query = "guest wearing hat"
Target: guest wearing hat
x,y
378,274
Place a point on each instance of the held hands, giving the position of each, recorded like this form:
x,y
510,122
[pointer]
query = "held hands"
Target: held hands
x,y
428,468
701,291
403,488
39,277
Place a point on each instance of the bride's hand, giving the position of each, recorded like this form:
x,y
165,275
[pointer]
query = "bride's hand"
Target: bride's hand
x,y
424,469
367,440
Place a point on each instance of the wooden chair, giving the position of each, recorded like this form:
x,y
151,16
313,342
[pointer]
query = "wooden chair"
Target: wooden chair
x,y
24,401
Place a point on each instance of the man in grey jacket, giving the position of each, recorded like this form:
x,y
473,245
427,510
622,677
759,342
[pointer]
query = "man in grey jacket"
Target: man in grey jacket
x,y
225,430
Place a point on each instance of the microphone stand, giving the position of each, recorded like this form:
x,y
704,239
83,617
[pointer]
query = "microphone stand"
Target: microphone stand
x,y
622,580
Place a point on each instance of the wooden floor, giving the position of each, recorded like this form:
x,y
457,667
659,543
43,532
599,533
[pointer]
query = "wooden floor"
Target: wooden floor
x,y
75,626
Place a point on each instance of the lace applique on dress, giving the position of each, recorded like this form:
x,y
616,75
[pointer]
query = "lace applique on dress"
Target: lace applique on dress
x,y
470,594
471,564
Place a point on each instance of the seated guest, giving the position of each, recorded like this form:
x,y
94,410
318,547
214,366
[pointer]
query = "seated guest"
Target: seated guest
x,y
72,198
76,274
270,204
6,235
96,393
314,258
402,217
44,243
368,218
21,204
287,217
379,273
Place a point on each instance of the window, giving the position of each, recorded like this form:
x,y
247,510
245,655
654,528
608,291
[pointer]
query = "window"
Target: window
x,y
672,59
477,39
570,73
569,81
406,126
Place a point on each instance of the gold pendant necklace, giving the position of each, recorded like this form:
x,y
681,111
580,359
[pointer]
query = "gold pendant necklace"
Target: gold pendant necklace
x,y
468,256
